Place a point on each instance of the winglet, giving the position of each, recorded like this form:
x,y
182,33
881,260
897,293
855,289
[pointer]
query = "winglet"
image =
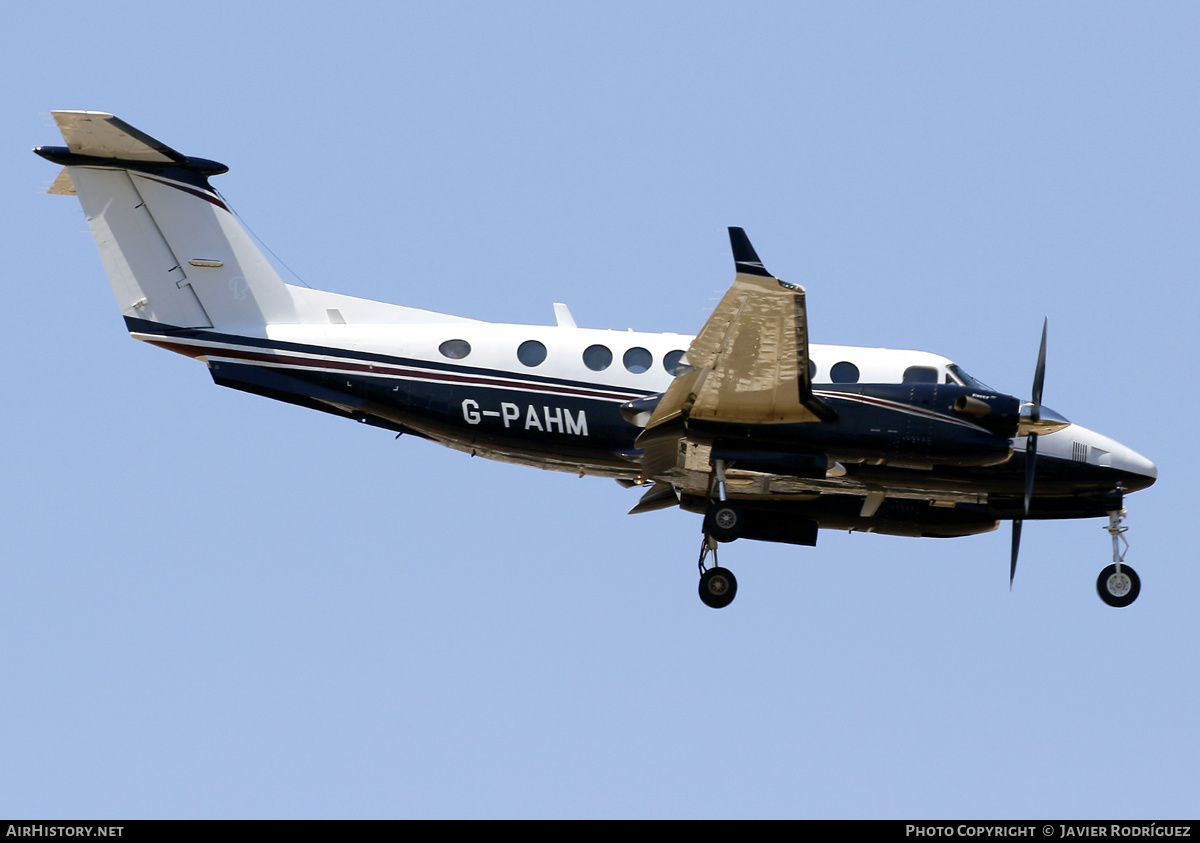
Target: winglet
x,y
744,257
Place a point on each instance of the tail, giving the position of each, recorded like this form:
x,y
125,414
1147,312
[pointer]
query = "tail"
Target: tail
x,y
174,253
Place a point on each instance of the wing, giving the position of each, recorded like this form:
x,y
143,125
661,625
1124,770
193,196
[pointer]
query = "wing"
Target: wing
x,y
748,368
749,363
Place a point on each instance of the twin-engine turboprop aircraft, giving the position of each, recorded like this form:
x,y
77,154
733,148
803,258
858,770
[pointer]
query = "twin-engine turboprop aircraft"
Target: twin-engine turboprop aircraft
x,y
745,423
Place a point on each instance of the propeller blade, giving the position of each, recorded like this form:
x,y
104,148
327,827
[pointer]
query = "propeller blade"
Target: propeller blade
x,y
1035,415
1039,376
1016,548
1030,463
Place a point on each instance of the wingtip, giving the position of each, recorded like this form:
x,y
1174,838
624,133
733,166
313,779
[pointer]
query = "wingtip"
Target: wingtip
x,y
744,257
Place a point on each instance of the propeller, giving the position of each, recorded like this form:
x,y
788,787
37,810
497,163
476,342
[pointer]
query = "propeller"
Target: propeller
x,y
1035,416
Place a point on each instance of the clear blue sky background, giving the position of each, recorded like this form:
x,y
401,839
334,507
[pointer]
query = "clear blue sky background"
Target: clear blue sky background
x,y
213,605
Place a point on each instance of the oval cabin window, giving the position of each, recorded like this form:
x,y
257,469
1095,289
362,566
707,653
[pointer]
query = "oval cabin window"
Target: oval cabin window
x,y
671,362
597,358
455,349
531,353
844,372
638,360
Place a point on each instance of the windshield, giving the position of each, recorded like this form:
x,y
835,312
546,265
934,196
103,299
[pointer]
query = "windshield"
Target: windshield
x,y
966,380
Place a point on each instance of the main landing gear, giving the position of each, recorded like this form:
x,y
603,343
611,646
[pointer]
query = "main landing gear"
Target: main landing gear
x,y
1118,584
718,586
723,522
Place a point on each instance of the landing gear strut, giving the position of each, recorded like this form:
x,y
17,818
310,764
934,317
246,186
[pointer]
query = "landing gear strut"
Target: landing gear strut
x,y
1118,584
724,518
723,522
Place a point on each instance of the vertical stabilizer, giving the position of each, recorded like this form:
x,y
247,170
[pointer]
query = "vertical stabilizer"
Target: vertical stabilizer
x,y
173,251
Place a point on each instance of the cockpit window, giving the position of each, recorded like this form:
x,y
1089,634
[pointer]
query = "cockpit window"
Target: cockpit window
x,y
920,374
964,379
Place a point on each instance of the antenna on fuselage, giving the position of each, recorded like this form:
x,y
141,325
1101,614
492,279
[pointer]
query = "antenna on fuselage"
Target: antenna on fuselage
x,y
562,315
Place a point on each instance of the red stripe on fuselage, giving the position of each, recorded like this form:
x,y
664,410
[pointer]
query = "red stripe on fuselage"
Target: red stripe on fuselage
x,y
388,369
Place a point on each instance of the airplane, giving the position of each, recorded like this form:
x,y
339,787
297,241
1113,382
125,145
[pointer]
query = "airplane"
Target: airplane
x,y
746,424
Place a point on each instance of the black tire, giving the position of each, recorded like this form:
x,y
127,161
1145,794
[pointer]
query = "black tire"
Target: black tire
x,y
724,521
718,587
1116,591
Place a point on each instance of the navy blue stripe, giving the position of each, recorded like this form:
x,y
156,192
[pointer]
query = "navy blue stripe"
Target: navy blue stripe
x,y
144,326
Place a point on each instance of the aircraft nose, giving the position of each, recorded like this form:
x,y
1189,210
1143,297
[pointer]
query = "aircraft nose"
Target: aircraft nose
x,y
1135,463
1137,471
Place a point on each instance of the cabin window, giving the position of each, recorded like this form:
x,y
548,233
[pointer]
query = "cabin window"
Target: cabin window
x,y
812,370
920,374
455,349
531,353
671,362
597,358
844,372
638,360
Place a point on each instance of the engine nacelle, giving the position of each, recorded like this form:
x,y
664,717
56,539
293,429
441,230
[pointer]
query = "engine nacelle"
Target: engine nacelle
x,y
914,425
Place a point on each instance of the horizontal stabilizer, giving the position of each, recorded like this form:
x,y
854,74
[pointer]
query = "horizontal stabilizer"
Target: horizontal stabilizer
x,y
63,186
100,135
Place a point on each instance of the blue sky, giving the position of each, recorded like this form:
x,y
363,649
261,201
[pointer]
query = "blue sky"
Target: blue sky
x,y
219,606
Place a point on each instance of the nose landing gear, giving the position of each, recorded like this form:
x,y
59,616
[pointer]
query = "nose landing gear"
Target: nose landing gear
x,y
1118,585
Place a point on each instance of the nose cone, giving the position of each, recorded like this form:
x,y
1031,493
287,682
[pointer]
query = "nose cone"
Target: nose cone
x,y
1144,471
1079,445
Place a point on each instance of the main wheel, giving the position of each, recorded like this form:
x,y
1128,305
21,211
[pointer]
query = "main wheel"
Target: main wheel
x,y
718,587
1118,589
724,521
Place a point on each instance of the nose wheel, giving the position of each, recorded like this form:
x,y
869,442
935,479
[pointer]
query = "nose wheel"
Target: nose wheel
x,y
1118,585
